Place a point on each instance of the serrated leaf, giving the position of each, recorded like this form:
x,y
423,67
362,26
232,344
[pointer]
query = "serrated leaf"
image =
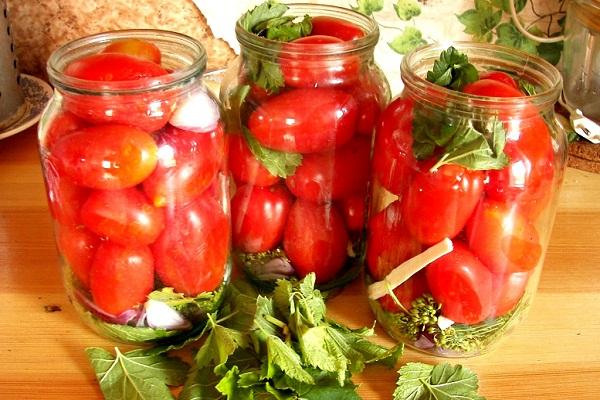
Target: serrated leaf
x,y
282,164
319,351
310,304
509,35
326,387
265,73
282,297
261,13
368,7
264,310
200,385
481,20
407,41
281,355
286,31
219,345
407,9
452,70
229,386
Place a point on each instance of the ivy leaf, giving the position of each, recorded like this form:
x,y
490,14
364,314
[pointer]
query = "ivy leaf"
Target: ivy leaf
x,y
407,9
509,35
368,7
452,70
481,20
262,13
408,40
278,163
519,5
550,52
136,375
419,381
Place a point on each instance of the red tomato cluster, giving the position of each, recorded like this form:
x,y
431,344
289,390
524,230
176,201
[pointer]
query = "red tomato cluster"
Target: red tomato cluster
x,y
489,215
135,199
327,112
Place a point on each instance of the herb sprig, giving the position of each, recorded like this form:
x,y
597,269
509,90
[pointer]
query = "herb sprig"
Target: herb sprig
x,y
453,70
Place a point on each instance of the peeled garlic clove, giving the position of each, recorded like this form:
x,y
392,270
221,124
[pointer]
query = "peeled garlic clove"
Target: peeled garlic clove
x,y
444,323
160,315
197,113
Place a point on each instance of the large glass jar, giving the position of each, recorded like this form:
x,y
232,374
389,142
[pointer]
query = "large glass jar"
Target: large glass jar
x,y
464,191
133,154
301,116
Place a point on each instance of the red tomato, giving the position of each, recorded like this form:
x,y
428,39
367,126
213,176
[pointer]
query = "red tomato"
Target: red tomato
x,y
492,88
333,175
370,105
500,77
123,216
389,244
462,285
315,240
137,48
63,124
406,293
78,247
121,277
503,239
64,197
437,204
339,28
113,67
106,156
353,210
244,167
191,253
304,64
258,216
305,120
507,291
393,159
187,164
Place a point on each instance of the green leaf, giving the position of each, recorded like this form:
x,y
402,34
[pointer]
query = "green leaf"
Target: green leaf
x,y
278,163
481,20
200,385
407,9
136,375
285,30
408,40
326,387
551,52
452,70
320,351
509,35
526,87
229,386
368,7
281,355
265,73
219,345
194,308
519,5
261,13
419,381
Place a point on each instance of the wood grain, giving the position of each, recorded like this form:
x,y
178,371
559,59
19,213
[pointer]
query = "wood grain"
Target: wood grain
x,y
553,354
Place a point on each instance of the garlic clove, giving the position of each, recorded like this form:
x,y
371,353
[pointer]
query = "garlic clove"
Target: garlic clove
x,y
199,112
160,315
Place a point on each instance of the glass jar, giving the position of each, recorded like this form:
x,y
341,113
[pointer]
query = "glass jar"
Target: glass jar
x,y
133,155
464,186
301,115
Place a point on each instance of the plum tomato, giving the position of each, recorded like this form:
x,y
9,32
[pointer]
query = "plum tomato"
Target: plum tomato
x,y
135,47
315,240
191,252
388,242
61,125
353,210
78,247
258,216
507,291
123,216
503,238
437,204
244,167
121,277
331,26
492,88
462,285
370,105
500,77
113,67
305,120
110,156
393,158
333,175
409,291
64,197
187,163
304,66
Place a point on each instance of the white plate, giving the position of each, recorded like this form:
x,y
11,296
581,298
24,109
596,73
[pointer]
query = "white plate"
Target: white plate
x,y
37,94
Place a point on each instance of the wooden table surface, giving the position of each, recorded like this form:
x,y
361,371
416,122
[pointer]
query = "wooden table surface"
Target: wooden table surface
x,y
553,354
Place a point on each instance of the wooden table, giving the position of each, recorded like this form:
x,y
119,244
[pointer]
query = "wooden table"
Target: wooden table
x,y
553,354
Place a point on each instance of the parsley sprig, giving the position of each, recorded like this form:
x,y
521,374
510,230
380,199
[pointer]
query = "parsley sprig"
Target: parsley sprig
x,y
452,70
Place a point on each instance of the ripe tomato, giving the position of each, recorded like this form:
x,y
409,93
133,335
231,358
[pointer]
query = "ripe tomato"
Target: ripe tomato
x,y
353,210
370,105
244,167
344,30
333,175
121,277
507,291
191,253
389,244
315,240
503,238
63,124
124,216
113,67
500,77
137,48
258,216
406,293
437,204
462,285
64,197
492,88
393,158
107,156
305,120
304,64
78,246
187,164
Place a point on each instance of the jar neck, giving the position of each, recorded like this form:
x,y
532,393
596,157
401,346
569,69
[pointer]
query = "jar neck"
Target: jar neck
x,y
543,75
181,54
267,48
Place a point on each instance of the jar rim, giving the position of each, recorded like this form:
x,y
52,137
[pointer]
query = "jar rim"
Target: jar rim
x,y
537,70
92,44
259,44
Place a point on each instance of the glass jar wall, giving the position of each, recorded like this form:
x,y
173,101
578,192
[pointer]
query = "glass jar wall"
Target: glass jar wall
x,y
480,167
133,154
301,116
